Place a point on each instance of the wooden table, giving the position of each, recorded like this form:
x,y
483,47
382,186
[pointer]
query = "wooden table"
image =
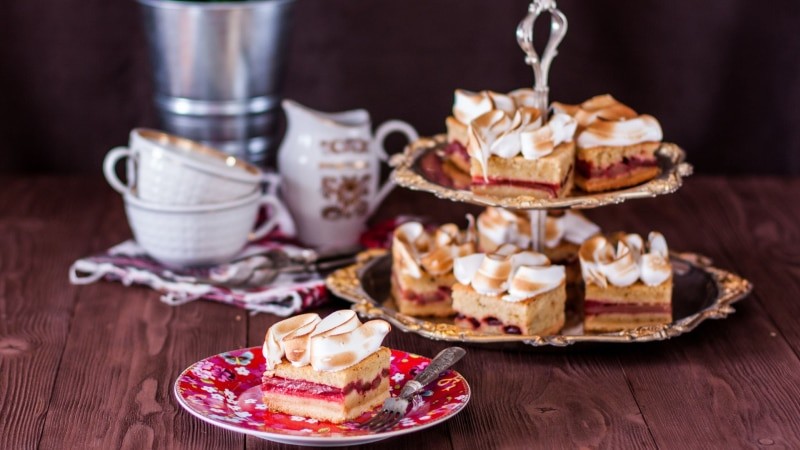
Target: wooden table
x,y
93,366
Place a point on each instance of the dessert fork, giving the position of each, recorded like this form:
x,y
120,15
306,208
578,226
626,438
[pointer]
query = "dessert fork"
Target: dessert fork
x,y
395,408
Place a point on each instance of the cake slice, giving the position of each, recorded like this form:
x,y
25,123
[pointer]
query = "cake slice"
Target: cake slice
x,y
469,105
627,285
512,155
616,147
331,369
422,267
513,294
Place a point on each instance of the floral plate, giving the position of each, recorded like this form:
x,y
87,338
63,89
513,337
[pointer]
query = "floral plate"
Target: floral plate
x,y
225,390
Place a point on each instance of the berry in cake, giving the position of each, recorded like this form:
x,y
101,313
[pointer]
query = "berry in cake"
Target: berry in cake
x,y
422,267
514,154
628,284
616,148
332,369
517,293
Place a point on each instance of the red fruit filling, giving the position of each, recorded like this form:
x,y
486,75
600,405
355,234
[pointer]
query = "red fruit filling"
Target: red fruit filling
x,y
441,294
456,148
595,307
551,189
587,170
307,389
489,321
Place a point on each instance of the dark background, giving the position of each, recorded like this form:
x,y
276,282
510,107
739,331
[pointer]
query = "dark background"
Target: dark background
x,y
723,76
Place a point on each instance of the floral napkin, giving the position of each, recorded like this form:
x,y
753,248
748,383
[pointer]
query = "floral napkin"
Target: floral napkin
x,y
127,263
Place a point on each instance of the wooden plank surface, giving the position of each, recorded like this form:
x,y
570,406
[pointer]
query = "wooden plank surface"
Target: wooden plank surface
x,y
124,351
736,380
44,223
93,367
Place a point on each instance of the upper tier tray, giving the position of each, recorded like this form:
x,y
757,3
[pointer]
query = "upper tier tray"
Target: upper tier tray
x,y
420,168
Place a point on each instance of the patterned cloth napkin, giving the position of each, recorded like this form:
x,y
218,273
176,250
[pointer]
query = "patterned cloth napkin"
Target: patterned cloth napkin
x,y
288,294
127,263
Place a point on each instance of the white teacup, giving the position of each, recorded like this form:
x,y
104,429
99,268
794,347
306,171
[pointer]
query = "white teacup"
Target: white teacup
x,y
170,170
199,235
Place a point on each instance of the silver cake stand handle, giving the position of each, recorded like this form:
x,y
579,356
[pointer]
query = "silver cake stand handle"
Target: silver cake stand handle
x,y
541,70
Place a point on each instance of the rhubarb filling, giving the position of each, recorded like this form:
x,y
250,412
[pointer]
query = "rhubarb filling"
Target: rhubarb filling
x,y
551,188
441,294
597,307
456,148
587,170
307,389
486,322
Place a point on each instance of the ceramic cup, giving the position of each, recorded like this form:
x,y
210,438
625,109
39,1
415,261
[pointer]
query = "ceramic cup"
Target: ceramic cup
x,y
198,235
330,164
170,170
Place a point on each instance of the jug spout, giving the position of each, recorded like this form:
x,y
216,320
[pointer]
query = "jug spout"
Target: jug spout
x,y
297,113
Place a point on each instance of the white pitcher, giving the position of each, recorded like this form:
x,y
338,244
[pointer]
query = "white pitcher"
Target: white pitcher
x,y
330,164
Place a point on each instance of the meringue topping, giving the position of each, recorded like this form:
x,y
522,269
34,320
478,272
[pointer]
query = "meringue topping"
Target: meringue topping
x,y
622,265
598,107
418,252
335,343
468,106
499,133
572,227
519,276
602,132
501,226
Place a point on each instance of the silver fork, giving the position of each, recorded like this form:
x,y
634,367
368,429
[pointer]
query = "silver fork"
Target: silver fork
x,y
395,408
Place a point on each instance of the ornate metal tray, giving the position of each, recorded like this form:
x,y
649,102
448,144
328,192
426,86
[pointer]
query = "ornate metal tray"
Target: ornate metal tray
x,y
700,292
419,168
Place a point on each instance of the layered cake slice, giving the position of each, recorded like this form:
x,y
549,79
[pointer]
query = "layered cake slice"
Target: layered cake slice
x,y
332,369
422,267
628,284
616,147
513,155
514,294
469,105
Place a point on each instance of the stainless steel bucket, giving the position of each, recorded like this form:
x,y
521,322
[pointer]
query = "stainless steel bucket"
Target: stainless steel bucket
x,y
219,69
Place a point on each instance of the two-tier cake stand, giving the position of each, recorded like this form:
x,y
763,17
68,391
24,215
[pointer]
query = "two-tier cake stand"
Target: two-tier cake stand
x,y
700,291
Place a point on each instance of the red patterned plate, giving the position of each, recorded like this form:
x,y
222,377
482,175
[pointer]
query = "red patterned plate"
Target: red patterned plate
x,y
225,390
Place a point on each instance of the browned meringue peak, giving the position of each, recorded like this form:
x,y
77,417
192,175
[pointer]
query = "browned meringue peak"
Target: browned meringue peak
x,y
518,275
497,133
602,263
334,343
492,275
418,251
468,106
439,261
295,331
601,106
571,226
502,226
543,141
602,132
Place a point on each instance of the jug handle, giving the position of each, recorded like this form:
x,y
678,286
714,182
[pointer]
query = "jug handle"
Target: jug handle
x,y
387,128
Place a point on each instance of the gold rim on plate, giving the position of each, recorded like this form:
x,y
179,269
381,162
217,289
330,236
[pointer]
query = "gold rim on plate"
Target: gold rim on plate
x,y
347,283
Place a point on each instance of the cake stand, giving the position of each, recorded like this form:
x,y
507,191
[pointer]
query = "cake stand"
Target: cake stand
x,y
700,291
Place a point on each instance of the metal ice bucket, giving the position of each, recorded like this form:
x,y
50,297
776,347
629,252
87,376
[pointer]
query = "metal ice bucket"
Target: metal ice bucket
x,y
218,70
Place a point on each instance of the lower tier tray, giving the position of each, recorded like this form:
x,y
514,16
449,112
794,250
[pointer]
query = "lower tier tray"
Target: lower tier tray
x,y
700,292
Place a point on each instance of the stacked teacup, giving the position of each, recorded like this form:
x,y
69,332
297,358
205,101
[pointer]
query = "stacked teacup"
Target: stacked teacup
x,y
188,204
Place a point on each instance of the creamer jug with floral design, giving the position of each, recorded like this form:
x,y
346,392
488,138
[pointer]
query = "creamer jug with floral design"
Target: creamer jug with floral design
x,y
330,165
